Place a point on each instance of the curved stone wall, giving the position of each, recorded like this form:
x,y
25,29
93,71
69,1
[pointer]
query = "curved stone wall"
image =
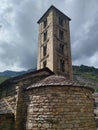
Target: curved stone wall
x,y
60,108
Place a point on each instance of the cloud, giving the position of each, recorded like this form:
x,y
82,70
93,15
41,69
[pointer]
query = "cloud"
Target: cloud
x,y
19,48
19,31
85,42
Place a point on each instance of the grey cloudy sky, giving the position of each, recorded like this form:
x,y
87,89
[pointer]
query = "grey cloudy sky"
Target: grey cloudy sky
x,y
19,31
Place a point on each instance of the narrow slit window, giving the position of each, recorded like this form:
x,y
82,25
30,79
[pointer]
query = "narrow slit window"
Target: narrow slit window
x,y
61,35
45,23
60,21
44,64
45,50
62,65
45,36
61,48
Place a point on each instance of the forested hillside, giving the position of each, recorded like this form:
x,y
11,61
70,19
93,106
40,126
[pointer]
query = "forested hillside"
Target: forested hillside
x,y
3,78
86,75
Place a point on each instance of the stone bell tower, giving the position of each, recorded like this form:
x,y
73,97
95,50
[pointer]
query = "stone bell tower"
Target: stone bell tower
x,y
54,49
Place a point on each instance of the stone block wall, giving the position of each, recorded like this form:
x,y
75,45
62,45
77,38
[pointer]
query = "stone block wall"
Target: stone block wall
x,y
53,43
21,111
60,108
48,42
6,122
57,55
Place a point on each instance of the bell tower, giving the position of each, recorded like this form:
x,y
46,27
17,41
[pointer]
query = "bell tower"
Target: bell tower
x,y
54,49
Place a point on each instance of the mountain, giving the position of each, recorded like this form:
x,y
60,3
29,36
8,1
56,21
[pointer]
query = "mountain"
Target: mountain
x,y
83,75
9,73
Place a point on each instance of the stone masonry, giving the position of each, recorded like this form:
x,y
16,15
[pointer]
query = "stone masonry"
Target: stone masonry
x,y
56,107
54,49
9,93
46,102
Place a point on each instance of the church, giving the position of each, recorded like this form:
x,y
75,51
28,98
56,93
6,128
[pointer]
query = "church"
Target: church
x,y
48,98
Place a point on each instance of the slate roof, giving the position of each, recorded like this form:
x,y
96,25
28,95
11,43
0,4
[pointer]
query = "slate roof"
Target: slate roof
x,y
52,7
56,80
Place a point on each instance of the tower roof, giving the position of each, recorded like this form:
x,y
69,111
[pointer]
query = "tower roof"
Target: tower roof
x,y
52,7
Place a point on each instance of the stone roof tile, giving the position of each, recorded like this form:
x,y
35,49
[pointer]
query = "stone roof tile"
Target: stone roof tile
x,y
4,108
56,80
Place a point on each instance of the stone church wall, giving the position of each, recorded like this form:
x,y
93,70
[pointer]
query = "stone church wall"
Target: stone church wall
x,y
60,108
21,111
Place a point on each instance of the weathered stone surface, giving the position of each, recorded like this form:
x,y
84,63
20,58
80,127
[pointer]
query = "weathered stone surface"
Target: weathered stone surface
x,y
60,108
54,53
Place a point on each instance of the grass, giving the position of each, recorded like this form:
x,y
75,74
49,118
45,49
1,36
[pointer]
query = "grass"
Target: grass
x,y
3,78
90,76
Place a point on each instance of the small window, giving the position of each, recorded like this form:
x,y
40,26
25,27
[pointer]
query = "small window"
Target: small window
x,y
60,21
61,48
62,65
45,36
44,64
45,23
61,35
45,50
